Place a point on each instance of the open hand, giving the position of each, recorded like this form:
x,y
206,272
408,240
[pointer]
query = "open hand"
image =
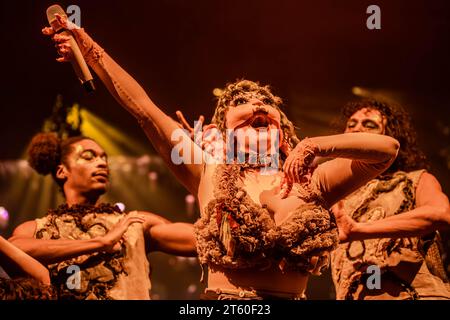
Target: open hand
x,y
298,167
208,137
185,125
345,224
111,241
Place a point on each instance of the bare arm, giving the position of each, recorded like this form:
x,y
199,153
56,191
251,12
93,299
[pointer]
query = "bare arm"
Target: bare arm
x,y
170,237
431,213
158,126
52,251
174,238
360,157
15,259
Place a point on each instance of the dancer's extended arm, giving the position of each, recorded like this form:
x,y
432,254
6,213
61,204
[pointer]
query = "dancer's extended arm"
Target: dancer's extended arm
x,y
431,213
12,257
158,126
51,251
360,157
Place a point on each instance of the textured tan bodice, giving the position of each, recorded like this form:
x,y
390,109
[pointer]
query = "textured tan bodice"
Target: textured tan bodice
x,y
234,232
123,275
411,268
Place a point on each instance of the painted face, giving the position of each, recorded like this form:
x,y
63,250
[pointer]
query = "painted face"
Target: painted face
x,y
87,168
253,115
366,120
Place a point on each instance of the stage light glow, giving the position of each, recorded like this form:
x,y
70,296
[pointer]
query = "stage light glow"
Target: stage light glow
x,y
145,160
358,91
217,92
190,199
4,217
121,206
113,140
192,288
126,167
190,204
153,176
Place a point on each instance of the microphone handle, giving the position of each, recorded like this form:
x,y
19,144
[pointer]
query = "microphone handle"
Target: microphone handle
x,y
79,64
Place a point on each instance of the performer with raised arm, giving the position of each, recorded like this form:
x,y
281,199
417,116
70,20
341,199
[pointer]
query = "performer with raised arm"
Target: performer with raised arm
x,y
260,235
106,246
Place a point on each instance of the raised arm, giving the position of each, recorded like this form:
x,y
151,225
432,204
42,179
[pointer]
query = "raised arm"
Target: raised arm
x,y
359,157
432,213
12,259
52,251
158,126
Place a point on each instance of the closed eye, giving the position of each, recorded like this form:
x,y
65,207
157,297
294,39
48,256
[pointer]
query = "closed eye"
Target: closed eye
x,y
370,124
351,124
88,155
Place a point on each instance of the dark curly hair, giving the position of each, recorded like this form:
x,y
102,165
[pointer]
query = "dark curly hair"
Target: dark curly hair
x,y
398,126
46,152
25,289
239,86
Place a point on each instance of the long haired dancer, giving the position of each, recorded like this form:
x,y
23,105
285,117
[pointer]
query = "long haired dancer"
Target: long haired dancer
x,y
403,208
260,235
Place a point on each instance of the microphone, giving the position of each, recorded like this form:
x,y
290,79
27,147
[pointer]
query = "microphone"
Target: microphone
x,y
78,63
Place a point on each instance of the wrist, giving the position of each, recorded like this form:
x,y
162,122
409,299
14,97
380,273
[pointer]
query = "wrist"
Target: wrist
x,y
308,150
102,243
91,51
355,232
311,146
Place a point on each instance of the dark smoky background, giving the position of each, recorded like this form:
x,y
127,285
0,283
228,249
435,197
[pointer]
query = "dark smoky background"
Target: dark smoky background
x,y
316,55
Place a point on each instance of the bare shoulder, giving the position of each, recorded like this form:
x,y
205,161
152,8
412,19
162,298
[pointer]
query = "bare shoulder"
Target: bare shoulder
x,y
25,230
427,180
429,191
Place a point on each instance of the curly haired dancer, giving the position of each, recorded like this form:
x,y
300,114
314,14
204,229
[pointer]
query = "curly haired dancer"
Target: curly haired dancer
x,y
107,245
403,209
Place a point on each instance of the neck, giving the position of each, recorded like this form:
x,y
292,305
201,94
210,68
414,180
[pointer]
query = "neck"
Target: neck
x,y
264,163
73,197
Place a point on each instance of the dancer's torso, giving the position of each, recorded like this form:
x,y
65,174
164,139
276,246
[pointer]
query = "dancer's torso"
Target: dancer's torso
x,y
264,192
123,275
411,268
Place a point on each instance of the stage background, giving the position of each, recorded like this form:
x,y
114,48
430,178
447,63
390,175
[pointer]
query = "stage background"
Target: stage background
x,y
313,53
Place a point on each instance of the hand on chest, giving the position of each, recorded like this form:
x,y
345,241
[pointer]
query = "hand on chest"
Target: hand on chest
x,y
265,191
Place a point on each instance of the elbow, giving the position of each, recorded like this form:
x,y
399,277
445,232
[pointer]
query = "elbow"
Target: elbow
x,y
15,240
390,151
44,278
393,146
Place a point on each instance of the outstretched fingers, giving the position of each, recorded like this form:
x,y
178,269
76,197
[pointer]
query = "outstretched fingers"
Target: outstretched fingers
x,y
48,31
286,186
183,121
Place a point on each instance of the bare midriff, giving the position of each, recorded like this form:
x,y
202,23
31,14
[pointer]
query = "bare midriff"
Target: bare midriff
x,y
271,280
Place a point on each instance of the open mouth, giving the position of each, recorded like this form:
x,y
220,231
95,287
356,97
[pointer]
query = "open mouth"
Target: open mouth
x,y
260,121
